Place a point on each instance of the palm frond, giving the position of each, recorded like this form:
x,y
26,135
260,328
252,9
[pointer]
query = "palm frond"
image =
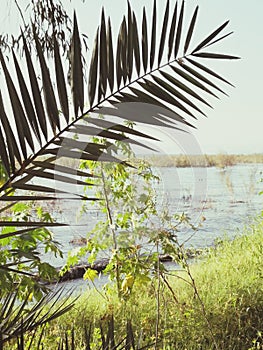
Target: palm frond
x,y
18,319
145,78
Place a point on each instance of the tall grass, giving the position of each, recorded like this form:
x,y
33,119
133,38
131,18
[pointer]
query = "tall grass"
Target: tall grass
x,y
226,313
219,307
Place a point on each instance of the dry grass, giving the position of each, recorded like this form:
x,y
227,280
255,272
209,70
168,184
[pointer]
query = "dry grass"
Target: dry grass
x,y
221,160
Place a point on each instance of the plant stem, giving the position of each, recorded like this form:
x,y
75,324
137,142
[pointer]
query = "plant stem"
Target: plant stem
x,y
113,233
157,299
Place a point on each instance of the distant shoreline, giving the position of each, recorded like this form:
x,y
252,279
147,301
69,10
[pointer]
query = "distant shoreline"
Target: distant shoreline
x,y
220,160
215,160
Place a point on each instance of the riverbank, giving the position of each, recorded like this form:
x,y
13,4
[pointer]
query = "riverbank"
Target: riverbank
x,y
215,160
218,306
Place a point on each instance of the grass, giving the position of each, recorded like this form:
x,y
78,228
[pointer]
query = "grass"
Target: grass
x,y
217,160
229,281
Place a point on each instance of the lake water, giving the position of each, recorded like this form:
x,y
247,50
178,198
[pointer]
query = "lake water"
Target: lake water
x,y
226,198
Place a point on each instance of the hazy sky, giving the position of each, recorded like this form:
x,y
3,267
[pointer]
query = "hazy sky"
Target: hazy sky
x,y
235,125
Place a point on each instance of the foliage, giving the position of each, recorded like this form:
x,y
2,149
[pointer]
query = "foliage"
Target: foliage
x,y
133,232
131,227
48,17
127,202
229,281
21,262
162,75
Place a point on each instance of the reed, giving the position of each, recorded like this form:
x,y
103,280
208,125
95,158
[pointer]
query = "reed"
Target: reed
x,y
221,160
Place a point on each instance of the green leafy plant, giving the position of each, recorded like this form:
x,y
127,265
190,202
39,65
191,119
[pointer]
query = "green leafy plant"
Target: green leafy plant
x,y
21,262
127,201
133,234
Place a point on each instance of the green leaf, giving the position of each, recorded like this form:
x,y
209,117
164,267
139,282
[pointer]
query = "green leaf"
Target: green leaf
x,y
90,275
19,207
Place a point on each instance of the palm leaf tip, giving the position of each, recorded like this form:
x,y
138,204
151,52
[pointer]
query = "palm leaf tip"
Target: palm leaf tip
x,y
163,34
190,30
179,31
212,55
103,55
129,43
77,76
144,41
110,56
93,70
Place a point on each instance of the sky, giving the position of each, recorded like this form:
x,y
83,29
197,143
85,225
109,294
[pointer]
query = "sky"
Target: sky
x,y
235,125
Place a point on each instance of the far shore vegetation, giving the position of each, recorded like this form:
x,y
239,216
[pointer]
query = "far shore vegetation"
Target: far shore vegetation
x,y
220,160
